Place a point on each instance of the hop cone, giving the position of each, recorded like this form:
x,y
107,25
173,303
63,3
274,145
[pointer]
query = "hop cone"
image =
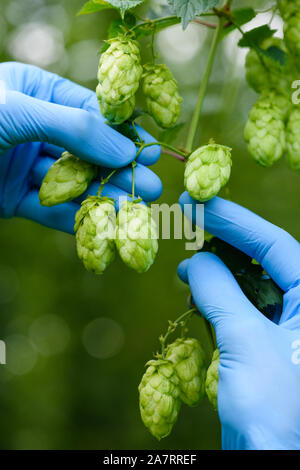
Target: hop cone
x,y
188,358
162,98
116,114
263,73
119,71
265,129
293,139
136,238
95,227
212,380
291,31
159,398
67,179
207,171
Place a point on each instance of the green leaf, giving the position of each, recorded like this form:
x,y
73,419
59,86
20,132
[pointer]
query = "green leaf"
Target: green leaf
x,y
187,10
124,5
170,135
275,54
147,28
117,27
256,36
241,17
93,6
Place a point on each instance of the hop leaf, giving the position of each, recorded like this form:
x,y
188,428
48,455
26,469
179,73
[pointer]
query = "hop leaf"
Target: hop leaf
x,y
119,71
136,237
187,10
212,380
162,98
265,129
116,114
67,179
159,398
95,227
207,171
263,73
293,139
188,358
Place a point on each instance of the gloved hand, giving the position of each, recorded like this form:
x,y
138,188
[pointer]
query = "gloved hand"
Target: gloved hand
x,y
43,115
259,372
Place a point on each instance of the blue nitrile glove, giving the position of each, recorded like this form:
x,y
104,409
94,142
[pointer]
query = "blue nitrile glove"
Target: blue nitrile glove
x,y
43,115
259,372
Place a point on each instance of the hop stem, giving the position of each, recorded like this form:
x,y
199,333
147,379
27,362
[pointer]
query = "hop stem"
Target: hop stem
x,y
133,179
103,182
182,320
203,88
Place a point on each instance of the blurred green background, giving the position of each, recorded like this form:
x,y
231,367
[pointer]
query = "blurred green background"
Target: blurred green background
x,y
76,343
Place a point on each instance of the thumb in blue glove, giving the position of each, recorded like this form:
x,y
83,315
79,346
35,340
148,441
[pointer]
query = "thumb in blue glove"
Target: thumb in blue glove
x,y
259,371
43,115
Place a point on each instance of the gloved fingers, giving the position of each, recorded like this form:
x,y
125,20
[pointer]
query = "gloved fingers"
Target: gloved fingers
x,y
51,150
47,86
291,307
61,217
276,250
182,270
109,190
40,169
217,295
82,133
149,155
147,185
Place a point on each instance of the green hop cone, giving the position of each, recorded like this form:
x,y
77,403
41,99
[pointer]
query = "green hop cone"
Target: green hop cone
x,y
136,237
116,114
265,129
188,358
119,71
212,380
207,171
95,227
291,30
159,398
67,179
163,101
264,73
293,139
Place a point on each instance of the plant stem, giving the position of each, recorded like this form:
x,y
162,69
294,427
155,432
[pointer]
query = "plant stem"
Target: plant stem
x,y
133,179
175,155
204,23
182,153
202,91
184,317
104,181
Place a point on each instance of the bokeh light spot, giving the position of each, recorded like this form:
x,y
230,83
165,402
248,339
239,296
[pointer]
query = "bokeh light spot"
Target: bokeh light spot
x,y
49,334
103,338
20,355
181,46
37,43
